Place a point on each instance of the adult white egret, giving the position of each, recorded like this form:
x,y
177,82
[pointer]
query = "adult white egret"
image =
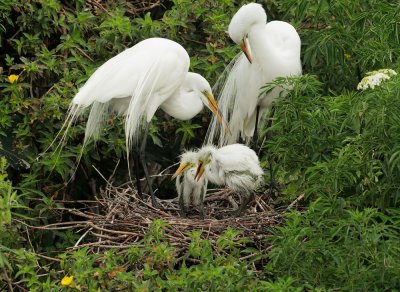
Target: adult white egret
x,y
270,50
135,83
190,190
236,166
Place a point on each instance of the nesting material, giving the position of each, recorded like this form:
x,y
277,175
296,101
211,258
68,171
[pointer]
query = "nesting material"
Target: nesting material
x,y
119,219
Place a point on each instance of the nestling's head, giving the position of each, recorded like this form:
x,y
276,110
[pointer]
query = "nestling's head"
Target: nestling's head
x,y
204,156
188,160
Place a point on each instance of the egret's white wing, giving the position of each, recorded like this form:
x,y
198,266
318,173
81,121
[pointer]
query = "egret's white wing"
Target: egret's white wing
x,y
237,157
133,83
164,71
121,75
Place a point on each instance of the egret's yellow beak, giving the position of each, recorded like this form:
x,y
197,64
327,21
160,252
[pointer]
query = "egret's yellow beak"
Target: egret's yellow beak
x,y
245,48
213,106
180,169
200,170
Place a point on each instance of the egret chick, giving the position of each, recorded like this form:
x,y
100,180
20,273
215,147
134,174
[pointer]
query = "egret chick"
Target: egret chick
x,y
135,83
236,166
189,189
270,50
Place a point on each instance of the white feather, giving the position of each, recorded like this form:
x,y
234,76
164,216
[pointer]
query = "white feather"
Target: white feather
x,y
191,191
275,48
236,166
135,83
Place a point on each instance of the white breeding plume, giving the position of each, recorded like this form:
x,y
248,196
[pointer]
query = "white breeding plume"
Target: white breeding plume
x,y
135,83
190,191
270,50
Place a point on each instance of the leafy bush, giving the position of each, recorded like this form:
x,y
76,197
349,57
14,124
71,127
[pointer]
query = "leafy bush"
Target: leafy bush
x,y
337,145
151,265
335,246
344,39
344,145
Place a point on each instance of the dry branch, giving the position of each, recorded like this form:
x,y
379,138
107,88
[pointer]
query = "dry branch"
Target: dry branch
x,y
122,219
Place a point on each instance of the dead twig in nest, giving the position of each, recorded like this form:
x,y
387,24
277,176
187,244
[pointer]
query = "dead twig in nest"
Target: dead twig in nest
x,y
122,219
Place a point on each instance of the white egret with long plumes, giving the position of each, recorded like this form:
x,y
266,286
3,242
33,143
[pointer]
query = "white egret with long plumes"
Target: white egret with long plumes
x,y
270,50
135,83
236,166
190,190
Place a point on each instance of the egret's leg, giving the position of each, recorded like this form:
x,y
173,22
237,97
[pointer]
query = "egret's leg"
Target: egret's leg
x,y
144,165
272,184
255,136
246,201
182,207
137,174
201,207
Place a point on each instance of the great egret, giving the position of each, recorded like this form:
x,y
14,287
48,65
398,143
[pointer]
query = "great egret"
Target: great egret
x,y
189,189
236,166
135,83
270,50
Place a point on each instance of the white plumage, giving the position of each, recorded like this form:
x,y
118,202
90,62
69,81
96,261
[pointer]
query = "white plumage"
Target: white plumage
x,y
271,50
190,191
136,82
235,165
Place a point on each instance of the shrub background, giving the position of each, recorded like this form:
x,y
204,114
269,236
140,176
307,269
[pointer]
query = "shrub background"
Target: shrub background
x,y
338,146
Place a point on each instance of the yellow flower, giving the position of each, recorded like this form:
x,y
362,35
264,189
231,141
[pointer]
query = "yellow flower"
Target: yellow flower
x,y
67,280
13,78
347,56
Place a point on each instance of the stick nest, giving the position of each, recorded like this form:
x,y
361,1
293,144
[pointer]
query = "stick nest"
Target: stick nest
x,y
119,219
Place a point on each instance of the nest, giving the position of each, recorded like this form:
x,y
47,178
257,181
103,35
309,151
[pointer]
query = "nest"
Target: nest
x,y
119,219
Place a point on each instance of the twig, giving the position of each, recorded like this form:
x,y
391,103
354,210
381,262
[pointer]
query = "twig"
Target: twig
x,y
9,281
113,231
83,236
300,197
83,53
102,176
47,257
73,224
115,169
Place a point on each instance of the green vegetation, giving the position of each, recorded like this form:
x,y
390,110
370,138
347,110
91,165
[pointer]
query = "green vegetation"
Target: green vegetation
x,y
337,145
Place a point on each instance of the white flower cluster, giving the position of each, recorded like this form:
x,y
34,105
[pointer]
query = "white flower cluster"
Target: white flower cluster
x,y
375,78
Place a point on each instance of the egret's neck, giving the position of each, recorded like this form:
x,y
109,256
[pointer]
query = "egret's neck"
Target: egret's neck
x,y
183,105
215,173
275,45
261,45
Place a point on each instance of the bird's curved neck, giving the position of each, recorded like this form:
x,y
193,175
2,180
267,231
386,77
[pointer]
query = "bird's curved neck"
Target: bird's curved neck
x,y
183,105
260,44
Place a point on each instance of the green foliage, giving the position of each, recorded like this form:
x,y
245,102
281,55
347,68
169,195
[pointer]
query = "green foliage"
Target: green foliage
x,y
338,146
344,145
345,37
335,246
10,201
151,266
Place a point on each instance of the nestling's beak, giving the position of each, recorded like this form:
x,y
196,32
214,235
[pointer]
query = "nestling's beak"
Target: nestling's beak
x,y
180,169
200,170
213,106
244,45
